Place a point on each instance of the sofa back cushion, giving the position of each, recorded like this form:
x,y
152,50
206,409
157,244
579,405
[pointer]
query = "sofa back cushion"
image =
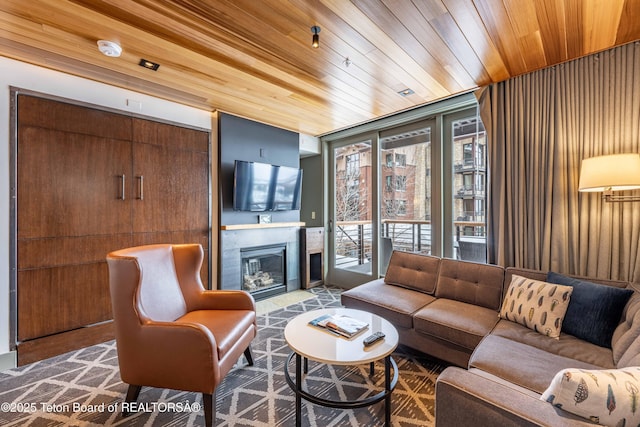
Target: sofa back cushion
x,y
413,271
626,338
542,275
524,272
470,282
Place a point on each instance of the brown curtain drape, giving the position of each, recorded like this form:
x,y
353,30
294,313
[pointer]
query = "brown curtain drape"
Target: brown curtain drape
x,y
540,126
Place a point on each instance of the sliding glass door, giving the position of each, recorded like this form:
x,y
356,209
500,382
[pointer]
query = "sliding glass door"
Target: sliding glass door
x,y
406,187
351,230
418,187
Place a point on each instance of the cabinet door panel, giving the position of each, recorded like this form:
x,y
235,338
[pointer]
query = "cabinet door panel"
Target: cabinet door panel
x,y
71,184
52,300
45,253
175,188
70,118
172,136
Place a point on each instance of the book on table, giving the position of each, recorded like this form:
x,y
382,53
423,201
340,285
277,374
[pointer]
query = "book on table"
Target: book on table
x,y
340,324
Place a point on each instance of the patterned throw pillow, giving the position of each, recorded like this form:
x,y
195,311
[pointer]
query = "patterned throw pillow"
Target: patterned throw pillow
x,y
609,397
538,305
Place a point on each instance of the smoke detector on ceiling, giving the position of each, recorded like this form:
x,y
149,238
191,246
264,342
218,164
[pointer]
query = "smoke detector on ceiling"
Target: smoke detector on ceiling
x,y
109,48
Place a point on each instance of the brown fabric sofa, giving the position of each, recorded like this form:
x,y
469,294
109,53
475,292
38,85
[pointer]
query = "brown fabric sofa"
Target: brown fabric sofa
x,y
450,309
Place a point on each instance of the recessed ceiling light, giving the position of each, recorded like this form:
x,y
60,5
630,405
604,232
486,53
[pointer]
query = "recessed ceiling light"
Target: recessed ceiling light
x,y
109,48
148,64
406,92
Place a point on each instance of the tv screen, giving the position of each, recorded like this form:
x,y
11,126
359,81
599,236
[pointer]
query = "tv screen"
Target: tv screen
x,y
252,186
287,189
261,187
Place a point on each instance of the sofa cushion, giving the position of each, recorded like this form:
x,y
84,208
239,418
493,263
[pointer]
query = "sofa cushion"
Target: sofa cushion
x,y
608,397
470,282
626,336
527,366
413,271
394,303
538,305
454,321
594,311
566,345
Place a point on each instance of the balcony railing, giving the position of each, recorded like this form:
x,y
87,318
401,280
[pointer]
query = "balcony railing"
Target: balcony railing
x,y
353,243
354,239
471,166
469,190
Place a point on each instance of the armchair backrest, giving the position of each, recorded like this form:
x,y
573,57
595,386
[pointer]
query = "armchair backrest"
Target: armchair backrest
x,y
156,288
159,294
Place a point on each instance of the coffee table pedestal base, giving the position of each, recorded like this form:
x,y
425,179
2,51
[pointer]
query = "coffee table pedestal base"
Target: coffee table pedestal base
x,y
296,386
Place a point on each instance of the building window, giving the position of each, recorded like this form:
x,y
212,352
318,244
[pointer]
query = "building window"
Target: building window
x,y
389,160
388,183
388,208
401,183
401,207
468,155
401,159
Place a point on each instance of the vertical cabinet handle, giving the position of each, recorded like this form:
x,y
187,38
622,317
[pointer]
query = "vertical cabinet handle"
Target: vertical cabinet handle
x,y
140,187
122,190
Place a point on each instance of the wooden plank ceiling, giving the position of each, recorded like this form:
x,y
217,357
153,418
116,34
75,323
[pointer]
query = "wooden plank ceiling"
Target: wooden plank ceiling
x,y
253,58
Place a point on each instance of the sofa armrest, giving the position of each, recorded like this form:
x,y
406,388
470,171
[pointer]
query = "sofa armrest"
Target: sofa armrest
x,y
472,398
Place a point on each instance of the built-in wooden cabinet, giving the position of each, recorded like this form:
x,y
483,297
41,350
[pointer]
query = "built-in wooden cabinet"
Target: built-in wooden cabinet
x,y
89,182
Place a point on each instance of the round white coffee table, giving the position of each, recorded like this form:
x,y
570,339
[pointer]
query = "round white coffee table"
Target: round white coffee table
x,y
313,343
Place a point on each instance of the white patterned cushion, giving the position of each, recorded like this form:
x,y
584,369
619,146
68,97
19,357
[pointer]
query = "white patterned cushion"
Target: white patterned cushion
x,y
538,305
609,397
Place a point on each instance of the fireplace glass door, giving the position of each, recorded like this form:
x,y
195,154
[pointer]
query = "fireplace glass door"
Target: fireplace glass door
x,y
264,270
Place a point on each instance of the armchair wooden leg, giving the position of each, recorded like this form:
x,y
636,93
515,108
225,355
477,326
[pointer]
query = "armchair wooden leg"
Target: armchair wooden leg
x,y
132,395
248,356
209,401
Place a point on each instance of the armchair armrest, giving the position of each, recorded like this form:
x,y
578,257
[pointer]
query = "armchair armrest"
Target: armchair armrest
x,y
480,399
170,355
224,300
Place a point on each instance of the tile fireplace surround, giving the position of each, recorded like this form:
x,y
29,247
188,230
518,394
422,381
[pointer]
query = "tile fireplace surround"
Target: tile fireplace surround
x,y
235,239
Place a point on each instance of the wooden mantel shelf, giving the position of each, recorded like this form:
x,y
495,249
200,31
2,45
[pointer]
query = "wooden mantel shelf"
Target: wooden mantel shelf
x,y
259,226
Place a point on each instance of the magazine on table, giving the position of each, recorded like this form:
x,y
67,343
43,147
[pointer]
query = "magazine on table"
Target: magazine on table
x,y
340,324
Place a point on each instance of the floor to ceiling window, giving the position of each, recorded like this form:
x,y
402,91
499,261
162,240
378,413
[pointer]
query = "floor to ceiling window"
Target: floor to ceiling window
x,y
351,225
417,185
467,139
405,193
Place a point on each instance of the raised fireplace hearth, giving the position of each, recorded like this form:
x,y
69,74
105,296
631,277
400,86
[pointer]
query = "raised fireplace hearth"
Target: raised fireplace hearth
x,y
262,261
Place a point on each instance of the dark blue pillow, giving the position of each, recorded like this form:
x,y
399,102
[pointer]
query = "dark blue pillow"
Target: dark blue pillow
x,y
594,310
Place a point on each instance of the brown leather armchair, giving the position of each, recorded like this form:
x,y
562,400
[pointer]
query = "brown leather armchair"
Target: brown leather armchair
x,y
170,331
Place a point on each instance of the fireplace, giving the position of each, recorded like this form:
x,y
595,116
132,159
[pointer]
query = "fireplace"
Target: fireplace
x,y
251,250
263,270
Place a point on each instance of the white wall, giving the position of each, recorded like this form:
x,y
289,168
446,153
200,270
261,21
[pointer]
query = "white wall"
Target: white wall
x,y
33,78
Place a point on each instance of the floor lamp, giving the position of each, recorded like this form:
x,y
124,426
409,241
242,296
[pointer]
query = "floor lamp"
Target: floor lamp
x,y
607,174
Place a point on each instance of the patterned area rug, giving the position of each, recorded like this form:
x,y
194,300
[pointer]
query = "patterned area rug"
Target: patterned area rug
x,y
83,388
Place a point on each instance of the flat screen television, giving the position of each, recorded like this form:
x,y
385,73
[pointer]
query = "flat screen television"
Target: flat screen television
x,y
287,189
259,187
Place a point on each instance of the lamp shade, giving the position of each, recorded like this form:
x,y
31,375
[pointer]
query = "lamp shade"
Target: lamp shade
x,y
616,172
